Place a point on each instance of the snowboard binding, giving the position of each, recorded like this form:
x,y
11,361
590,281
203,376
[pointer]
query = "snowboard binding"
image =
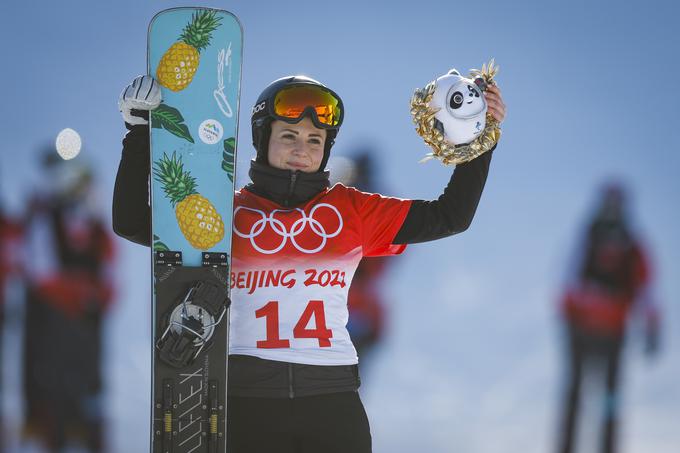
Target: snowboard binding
x,y
191,323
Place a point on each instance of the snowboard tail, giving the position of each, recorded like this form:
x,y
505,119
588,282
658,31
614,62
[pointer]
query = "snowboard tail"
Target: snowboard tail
x,y
189,412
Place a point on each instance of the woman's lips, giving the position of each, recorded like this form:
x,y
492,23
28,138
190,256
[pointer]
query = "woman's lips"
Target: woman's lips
x,y
297,164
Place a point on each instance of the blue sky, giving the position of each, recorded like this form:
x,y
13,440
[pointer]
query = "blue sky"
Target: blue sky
x,y
591,94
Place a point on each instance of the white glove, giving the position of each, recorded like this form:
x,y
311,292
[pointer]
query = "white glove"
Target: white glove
x,y
142,95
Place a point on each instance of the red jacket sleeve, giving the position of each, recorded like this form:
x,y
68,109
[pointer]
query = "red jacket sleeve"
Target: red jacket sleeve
x,y
381,218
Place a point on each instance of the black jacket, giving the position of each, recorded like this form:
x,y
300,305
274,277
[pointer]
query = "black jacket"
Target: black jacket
x,y
451,213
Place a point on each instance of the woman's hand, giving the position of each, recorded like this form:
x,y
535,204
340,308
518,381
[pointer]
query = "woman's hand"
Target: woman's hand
x,y
495,104
142,95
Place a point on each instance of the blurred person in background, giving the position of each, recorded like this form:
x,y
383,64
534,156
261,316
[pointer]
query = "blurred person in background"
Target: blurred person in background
x,y
365,300
10,235
69,253
611,280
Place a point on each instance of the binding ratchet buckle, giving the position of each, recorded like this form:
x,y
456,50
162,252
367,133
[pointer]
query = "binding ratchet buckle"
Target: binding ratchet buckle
x,y
191,324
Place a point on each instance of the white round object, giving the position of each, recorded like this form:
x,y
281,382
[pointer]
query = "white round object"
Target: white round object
x,y
342,170
461,108
68,144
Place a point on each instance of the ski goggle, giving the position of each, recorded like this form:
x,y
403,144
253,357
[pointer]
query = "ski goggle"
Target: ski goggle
x,y
292,103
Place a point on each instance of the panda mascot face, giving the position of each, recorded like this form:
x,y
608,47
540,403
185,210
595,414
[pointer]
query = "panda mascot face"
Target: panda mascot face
x,y
461,108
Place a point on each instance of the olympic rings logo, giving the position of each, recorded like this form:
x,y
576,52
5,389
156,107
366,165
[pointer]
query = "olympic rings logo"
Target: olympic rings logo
x,y
295,230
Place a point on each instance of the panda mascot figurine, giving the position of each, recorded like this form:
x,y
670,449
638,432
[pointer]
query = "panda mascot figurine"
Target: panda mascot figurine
x,y
451,115
461,108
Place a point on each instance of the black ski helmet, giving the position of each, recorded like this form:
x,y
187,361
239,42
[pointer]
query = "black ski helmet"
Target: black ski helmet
x,y
261,117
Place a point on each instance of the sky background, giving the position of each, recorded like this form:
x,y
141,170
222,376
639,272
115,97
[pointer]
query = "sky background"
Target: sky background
x,y
472,361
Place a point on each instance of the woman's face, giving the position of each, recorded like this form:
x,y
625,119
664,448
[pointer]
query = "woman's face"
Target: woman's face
x,y
296,146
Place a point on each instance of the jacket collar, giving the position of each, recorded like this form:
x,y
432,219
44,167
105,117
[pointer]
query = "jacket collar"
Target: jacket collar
x,y
286,187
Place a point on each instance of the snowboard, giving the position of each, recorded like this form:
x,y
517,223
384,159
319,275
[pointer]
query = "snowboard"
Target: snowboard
x,y
195,54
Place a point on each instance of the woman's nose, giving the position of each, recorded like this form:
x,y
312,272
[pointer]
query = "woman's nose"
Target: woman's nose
x,y
299,148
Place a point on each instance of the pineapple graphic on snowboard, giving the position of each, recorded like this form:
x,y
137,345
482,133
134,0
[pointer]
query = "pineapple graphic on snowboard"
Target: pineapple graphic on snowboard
x,y
179,63
197,218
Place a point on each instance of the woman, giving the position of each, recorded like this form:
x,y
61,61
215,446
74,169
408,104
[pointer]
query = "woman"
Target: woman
x,y
293,375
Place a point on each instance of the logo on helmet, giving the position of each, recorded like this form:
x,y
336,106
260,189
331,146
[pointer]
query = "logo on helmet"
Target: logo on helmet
x,y
259,107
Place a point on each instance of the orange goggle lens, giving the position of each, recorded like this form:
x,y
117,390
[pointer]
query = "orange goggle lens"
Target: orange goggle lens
x,y
291,103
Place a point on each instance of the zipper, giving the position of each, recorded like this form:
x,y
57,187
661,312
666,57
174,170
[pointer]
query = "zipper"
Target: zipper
x,y
291,391
291,187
